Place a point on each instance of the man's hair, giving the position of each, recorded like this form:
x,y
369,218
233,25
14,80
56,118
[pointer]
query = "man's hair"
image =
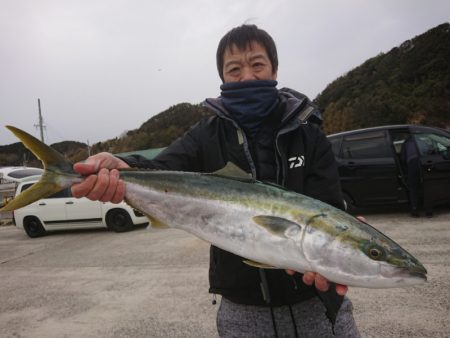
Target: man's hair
x,y
242,37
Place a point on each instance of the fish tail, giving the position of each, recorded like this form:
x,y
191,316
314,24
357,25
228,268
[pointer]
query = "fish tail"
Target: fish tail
x,y
58,172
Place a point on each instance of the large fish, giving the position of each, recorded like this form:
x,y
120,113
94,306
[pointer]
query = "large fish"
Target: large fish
x,y
270,226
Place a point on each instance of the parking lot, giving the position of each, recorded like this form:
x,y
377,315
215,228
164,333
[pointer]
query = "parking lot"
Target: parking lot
x,y
153,283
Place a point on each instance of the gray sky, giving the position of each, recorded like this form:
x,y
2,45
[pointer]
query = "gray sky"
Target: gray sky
x,y
101,67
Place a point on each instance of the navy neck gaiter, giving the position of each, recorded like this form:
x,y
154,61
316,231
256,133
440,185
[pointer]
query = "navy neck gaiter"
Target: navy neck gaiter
x,y
250,102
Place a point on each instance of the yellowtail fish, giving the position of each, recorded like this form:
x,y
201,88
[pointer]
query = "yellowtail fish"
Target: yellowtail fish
x,y
269,226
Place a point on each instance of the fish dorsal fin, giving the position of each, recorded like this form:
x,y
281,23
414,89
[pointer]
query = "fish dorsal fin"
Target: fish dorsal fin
x,y
231,170
275,225
258,265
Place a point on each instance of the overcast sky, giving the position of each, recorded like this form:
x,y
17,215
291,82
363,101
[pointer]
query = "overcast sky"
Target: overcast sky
x,y
101,67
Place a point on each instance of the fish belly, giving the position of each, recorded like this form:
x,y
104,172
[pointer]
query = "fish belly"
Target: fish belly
x,y
224,224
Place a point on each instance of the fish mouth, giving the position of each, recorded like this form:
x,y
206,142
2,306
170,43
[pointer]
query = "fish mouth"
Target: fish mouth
x,y
418,275
417,271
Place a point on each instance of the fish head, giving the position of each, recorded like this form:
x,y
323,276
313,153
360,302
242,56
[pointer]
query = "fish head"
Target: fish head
x,y
397,267
351,252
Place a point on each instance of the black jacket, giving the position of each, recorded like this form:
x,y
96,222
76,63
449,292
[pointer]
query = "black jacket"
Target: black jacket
x,y
303,162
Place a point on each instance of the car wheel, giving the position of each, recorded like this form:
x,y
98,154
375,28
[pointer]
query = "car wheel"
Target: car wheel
x,y
119,220
349,204
33,227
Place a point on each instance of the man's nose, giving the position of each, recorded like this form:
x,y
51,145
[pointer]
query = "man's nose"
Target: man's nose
x,y
247,74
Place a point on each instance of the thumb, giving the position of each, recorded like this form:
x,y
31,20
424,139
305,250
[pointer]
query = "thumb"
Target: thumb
x,y
90,166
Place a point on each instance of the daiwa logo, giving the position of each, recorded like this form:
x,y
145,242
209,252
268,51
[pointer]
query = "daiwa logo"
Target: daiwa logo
x,y
296,162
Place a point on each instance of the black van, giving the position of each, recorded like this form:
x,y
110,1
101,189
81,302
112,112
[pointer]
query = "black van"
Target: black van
x,y
371,170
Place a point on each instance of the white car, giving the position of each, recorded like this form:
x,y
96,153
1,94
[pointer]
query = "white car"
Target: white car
x,y
17,174
62,211
10,177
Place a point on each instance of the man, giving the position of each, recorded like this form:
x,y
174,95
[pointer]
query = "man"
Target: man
x,y
264,131
410,153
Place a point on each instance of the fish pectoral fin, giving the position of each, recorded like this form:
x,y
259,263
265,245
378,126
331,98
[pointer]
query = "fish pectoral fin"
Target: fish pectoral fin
x,y
231,170
258,265
275,225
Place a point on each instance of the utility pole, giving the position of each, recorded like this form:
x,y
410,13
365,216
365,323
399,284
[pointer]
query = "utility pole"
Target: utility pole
x,y
41,122
88,148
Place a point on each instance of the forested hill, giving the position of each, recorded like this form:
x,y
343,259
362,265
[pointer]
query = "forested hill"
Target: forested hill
x,y
159,131
409,84
17,155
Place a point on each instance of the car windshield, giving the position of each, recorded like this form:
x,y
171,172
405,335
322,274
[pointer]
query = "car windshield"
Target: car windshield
x,y
21,173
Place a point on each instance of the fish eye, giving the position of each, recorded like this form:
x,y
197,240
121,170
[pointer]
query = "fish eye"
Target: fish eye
x,y
375,253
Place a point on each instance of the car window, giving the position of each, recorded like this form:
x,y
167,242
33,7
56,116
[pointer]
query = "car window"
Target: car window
x,y
431,144
366,145
61,194
26,186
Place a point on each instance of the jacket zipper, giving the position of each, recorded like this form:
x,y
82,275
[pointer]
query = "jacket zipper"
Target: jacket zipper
x,y
280,161
223,115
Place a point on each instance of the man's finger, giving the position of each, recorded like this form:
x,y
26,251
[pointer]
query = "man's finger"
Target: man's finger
x,y
86,168
322,283
112,186
309,277
84,188
341,290
120,192
100,186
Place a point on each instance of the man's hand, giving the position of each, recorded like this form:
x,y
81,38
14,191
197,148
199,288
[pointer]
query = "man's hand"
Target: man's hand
x,y
102,180
321,283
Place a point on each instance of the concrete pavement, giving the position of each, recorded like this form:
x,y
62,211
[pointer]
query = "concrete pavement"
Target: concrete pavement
x,y
153,283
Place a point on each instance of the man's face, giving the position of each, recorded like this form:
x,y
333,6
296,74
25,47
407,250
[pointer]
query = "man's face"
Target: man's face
x,y
253,63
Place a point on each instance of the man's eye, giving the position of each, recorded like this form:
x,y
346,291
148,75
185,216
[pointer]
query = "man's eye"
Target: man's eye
x,y
258,65
234,70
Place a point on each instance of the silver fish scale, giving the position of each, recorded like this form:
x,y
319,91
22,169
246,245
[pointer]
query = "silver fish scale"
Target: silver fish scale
x,y
221,210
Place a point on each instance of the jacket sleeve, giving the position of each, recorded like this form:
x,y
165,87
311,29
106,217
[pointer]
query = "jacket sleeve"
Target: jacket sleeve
x,y
322,180
181,155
